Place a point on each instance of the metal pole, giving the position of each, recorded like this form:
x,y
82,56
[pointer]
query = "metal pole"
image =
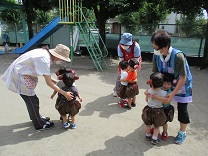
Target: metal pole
x,y
71,43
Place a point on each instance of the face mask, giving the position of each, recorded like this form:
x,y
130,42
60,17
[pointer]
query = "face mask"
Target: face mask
x,y
157,52
59,62
125,47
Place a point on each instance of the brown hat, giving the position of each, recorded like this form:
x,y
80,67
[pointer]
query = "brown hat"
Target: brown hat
x,y
61,51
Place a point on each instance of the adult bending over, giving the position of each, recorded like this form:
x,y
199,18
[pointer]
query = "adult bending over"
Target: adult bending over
x,y
22,77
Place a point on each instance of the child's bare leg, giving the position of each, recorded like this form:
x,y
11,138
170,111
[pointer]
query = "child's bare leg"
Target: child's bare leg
x,y
155,133
73,119
73,124
134,100
147,130
148,134
129,102
165,127
64,118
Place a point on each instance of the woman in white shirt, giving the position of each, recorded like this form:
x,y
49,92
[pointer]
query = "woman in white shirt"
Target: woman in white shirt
x,y
22,77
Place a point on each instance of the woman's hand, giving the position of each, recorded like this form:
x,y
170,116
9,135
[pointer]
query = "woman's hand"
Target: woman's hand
x,y
170,97
68,95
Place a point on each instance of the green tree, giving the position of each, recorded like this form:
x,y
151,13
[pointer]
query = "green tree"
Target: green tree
x,y
130,22
192,7
147,17
105,9
30,8
191,25
151,14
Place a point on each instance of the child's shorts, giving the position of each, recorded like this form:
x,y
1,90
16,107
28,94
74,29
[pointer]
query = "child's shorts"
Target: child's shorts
x,y
169,112
121,91
68,107
132,90
153,116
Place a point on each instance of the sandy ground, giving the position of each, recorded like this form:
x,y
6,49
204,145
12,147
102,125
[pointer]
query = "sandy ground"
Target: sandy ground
x,y
103,128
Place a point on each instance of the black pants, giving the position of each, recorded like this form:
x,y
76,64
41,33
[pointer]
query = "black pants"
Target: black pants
x,y
183,115
32,103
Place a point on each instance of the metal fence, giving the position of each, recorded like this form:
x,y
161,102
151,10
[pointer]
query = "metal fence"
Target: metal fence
x,y
191,40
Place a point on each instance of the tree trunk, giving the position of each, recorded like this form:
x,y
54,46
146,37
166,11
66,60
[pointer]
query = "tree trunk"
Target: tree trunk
x,y
101,26
29,13
205,56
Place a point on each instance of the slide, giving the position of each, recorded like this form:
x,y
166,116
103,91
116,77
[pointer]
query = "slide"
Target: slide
x,y
46,32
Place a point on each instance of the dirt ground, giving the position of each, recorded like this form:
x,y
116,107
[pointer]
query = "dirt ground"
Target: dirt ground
x,y
103,128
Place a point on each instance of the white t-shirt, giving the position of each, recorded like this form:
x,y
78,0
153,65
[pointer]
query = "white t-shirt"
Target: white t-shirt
x,y
32,64
124,74
156,103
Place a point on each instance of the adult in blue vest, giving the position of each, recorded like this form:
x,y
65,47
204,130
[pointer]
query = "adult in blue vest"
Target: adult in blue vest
x,y
170,60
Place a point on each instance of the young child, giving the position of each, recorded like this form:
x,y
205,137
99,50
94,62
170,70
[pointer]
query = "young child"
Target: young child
x,y
153,114
168,108
63,105
132,88
122,88
60,83
59,73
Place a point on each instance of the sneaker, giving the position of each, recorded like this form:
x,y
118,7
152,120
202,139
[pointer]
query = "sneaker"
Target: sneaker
x,y
125,101
48,125
133,105
148,138
115,93
45,118
128,107
66,125
154,142
180,138
164,136
121,104
73,126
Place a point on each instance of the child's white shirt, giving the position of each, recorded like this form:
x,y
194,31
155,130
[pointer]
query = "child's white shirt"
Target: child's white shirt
x,y
124,74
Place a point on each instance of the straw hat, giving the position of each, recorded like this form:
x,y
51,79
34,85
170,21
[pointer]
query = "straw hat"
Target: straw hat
x,y
61,51
126,39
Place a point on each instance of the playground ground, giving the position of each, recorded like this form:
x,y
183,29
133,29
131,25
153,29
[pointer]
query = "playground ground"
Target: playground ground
x,y
103,128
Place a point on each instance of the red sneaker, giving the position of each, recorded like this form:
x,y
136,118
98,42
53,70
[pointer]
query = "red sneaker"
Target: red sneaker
x,y
120,104
164,136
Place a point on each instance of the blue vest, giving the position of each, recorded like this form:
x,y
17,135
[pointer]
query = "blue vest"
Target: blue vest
x,y
185,94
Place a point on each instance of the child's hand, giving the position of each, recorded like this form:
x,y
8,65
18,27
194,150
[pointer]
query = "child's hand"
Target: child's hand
x,y
155,96
80,99
52,96
147,94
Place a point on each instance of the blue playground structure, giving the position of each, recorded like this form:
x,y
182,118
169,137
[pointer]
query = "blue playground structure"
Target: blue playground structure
x,y
47,31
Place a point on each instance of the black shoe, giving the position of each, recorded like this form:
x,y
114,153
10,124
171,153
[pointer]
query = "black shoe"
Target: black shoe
x,y
133,105
48,125
45,118
148,138
128,107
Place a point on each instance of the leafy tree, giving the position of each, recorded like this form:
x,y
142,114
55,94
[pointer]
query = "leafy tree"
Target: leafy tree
x,y
105,9
30,8
190,8
151,14
11,16
191,25
130,22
